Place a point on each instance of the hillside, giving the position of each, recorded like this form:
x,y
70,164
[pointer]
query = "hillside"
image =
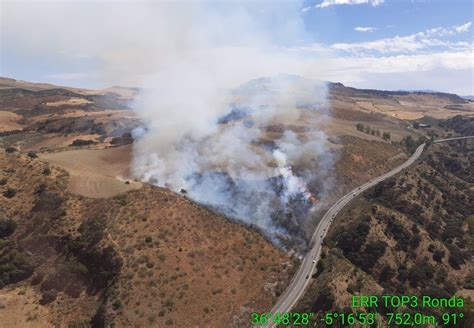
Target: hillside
x,y
143,257
409,235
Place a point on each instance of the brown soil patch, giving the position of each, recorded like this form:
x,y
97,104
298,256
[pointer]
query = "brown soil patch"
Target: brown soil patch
x,y
96,173
19,308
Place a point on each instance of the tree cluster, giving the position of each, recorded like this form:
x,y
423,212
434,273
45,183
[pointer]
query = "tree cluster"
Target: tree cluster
x,y
375,132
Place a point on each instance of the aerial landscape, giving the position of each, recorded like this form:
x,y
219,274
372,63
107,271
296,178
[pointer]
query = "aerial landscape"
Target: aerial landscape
x,y
236,164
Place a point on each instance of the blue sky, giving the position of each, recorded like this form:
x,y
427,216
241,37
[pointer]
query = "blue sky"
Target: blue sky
x,y
382,44
389,18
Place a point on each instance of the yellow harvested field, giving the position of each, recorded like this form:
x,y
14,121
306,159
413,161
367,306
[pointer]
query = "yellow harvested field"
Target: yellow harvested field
x,y
411,107
96,173
70,102
407,115
54,141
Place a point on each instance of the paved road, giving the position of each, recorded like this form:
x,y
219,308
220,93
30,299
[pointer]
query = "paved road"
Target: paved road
x,y
303,276
449,139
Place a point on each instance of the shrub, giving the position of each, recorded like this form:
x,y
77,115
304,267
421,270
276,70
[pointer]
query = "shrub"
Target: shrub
x,y
438,255
117,304
48,297
324,301
469,283
125,139
9,193
46,171
3,181
32,154
7,227
80,142
420,274
10,150
456,258
373,251
14,264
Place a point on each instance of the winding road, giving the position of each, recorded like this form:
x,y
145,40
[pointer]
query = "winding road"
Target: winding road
x,y
451,139
302,277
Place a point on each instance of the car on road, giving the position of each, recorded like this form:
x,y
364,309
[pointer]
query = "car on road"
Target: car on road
x,y
314,261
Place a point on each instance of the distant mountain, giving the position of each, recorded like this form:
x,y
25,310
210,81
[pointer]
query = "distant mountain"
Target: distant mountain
x,y
9,83
468,97
341,88
280,88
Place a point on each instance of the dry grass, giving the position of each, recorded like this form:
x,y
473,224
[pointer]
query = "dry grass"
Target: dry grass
x,y
96,173
69,102
8,121
181,262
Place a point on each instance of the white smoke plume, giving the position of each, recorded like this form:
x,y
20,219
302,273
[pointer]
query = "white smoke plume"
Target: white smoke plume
x,y
207,129
237,151
246,150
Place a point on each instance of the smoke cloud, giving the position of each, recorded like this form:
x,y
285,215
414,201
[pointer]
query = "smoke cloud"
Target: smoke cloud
x,y
248,153
221,120
245,148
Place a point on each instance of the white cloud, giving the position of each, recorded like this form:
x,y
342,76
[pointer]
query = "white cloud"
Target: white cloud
x,y
364,29
329,3
431,38
305,9
463,28
65,40
435,71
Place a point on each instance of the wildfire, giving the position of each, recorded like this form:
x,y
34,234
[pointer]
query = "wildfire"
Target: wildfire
x,y
312,199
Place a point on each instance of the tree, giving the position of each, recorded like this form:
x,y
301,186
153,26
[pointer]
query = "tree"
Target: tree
x,y
360,127
324,301
409,143
386,136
